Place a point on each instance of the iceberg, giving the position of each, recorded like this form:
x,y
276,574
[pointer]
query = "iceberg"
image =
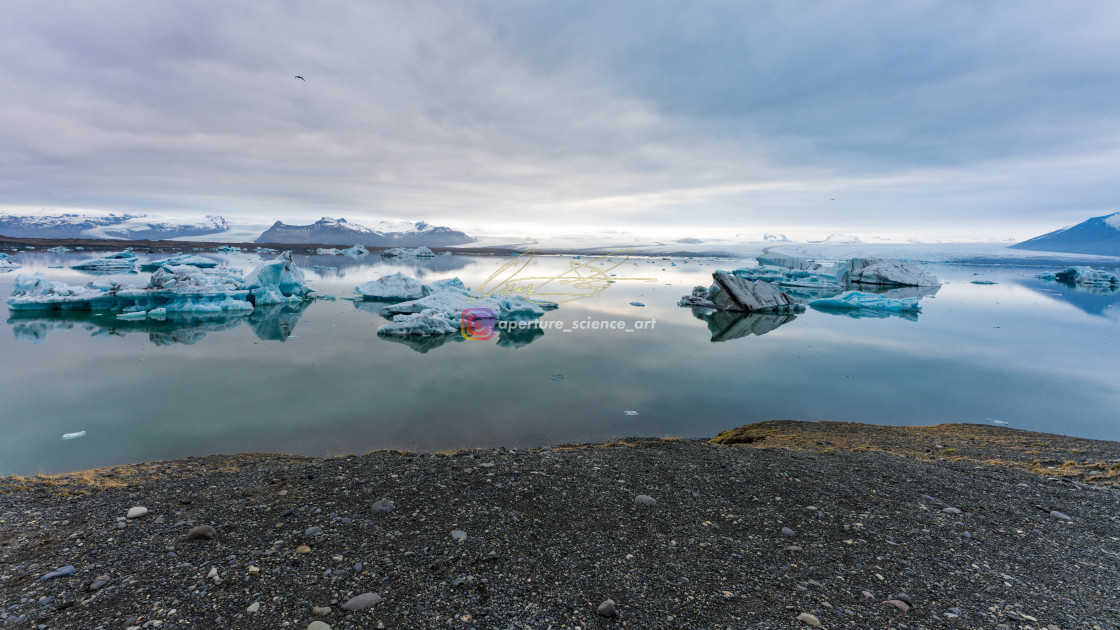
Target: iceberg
x,y
426,323
175,288
106,265
3,255
58,250
405,252
733,293
327,251
276,281
859,301
356,250
396,287
7,265
797,272
186,259
888,272
125,255
1083,276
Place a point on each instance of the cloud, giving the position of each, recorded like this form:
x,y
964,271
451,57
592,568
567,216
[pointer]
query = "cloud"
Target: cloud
x,y
847,115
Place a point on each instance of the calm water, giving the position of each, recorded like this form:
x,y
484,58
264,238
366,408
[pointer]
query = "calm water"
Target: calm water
x,y
318,380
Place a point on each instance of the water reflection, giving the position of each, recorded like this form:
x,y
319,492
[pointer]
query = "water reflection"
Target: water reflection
x,y
727,325
269,323
1099,300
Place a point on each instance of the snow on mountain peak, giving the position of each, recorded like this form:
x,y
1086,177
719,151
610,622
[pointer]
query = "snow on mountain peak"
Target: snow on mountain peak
x,y
1113,220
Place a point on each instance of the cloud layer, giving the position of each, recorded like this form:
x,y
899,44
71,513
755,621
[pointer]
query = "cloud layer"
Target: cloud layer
x,y
951,119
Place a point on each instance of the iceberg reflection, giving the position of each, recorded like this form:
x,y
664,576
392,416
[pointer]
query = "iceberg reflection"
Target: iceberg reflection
x,y
728,325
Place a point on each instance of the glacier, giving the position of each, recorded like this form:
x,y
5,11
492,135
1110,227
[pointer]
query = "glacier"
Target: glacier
x,y
788,271
730,292
174,288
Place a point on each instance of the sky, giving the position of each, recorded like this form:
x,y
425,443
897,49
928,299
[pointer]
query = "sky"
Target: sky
x,y
935,120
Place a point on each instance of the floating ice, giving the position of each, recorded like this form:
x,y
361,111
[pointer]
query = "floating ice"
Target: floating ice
x,y
1000,422
423,324
636,304
356,250
396,287
127,254
797,272
71,436
58,250
1084,276
7,265
277,281
630,412
732,293
857,300
327,251
419,252
109,264
189,260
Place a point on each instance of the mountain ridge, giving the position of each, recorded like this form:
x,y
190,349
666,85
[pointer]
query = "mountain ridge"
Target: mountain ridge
x,y
1098,235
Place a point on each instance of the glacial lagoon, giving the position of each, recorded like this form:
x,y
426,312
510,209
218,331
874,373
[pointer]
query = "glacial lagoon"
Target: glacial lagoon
x,y
316,379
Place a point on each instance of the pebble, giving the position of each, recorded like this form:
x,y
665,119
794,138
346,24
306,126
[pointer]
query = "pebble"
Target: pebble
x,y
311,531
99,582
810,620
899,604
951,510
303,549
61,572
254,607
458,534
607,609
384,506
1058,515
362,602
202,532
358,566
645,499
136,512
320,611
788,532
318,625
794,548
905,598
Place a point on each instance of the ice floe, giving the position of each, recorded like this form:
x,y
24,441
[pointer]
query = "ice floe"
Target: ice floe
x,y
356,250
175,288
396,287
405,252
857,300
58,250
1082,276
189,260
328,251
8,265
733,293
113,263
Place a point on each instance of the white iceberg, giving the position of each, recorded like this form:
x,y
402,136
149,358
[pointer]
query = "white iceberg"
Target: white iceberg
x,y
404,252
857,300
106,265
185,259
395,287
179,288
1085,276
888,272
356,250
797,272
424,324
125,255
71,436
7,265
327,251
446,300
58,250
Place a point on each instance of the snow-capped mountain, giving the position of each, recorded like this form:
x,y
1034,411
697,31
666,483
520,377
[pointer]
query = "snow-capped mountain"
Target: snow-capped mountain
x,y
1099,235
775,238
108,226
328,231
840,238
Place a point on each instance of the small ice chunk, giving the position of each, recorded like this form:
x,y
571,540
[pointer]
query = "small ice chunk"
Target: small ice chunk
x,y
135,315
71,436
356,250
630,412
1000,422
636,304
427,323
404,252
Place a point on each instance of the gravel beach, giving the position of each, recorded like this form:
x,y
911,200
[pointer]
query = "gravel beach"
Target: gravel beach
x,y
796,525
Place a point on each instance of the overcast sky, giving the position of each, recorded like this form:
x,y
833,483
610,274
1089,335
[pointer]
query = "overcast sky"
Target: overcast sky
x,y
937,119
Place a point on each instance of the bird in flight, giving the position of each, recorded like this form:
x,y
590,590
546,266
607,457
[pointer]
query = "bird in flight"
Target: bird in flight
x,y
301,78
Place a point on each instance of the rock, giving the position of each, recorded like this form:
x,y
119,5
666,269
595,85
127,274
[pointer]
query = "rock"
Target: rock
x,y
202,532
384,506
254,607
951,510
136,512
358,566
318,625
362,602
794,548
867,594
645,499
809,620
1058,515
61,572
607,609
788,532
320,611
899,604
311,531
905,598
303,549
458,534
99,582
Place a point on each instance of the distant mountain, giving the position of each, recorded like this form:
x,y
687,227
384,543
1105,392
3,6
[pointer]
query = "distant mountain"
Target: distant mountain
x,y
1099,235
328,231
775,238
841,238
108,226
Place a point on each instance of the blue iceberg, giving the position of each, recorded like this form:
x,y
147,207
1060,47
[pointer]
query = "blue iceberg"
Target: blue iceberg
x,y
859,303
